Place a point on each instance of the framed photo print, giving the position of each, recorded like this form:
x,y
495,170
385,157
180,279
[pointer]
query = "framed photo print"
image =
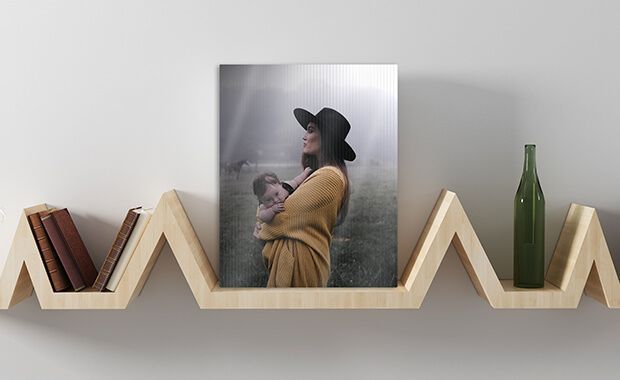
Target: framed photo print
x,y
308,175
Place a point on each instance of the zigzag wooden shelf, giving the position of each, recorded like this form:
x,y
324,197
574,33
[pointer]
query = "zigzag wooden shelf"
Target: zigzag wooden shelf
x,y
581,261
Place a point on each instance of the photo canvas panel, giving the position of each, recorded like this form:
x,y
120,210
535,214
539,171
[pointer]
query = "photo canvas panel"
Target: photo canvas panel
x,y
333,224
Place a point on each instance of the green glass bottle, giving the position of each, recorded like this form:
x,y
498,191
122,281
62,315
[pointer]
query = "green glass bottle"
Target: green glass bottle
x,y
529,227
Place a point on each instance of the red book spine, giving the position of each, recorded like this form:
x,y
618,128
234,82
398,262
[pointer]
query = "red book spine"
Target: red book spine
x,y
53,267
76,246
117,248
63,252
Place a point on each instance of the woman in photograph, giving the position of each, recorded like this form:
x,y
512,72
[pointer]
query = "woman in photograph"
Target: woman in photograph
x,y
298,238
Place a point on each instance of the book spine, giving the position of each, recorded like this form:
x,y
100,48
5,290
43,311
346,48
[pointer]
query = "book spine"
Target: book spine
x,y
117,248
64,255
128,251
58,277
76,246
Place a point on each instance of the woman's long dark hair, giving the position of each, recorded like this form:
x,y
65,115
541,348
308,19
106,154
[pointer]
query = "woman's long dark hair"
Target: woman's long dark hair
x,y
331,154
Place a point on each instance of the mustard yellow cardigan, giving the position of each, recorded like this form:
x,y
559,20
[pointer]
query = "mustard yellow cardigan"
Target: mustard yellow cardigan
x,y
297,240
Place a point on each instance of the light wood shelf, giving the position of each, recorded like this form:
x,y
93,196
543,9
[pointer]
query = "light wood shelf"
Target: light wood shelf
x,y
581,261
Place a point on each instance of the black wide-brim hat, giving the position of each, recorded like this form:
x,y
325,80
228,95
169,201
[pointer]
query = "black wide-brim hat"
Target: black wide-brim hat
x,y
331,123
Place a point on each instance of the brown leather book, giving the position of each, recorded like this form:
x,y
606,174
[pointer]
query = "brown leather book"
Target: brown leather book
x,y
62,249
76,246
53,267
117,248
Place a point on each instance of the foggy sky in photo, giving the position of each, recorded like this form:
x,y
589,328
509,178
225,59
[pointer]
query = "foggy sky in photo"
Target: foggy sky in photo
x,y
257,102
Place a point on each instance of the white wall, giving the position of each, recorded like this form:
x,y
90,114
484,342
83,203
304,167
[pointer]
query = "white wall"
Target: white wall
x,y
82,84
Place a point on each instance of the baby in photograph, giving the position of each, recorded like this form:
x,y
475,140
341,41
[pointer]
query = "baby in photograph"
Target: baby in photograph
x,y
271,194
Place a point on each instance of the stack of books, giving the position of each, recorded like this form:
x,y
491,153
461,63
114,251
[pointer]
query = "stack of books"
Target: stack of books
x,y
66,259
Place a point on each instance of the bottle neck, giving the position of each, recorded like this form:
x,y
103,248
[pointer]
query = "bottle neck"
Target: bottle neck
x,y
529,164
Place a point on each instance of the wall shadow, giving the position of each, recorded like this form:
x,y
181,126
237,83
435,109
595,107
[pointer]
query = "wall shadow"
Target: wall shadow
x,y
460,137
610,222
204,216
